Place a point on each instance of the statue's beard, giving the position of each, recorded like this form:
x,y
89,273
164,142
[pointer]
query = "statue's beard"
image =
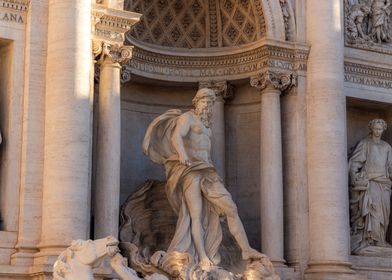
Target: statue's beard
x,y
205,115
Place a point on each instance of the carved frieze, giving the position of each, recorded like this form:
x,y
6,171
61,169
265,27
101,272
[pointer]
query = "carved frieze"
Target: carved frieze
x,y
367,75
368,24
224,67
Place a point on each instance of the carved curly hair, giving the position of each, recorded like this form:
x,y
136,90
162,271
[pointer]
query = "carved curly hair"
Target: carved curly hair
x,y
381,122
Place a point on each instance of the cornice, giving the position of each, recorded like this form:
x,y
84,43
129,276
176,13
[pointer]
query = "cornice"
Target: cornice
x,y
110,25
274,55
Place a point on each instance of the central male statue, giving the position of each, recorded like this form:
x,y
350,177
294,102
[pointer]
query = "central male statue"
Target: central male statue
x,y
182,143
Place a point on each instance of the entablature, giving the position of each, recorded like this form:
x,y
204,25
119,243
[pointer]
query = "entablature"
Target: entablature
x,y
233,64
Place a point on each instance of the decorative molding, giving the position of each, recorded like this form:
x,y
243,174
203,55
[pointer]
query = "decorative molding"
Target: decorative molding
x,y
125,75
234,66
16,5
277,80
286,17
360,29
14,11
367,75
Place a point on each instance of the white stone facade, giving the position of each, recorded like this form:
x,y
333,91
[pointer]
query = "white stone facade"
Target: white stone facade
x,y
297,82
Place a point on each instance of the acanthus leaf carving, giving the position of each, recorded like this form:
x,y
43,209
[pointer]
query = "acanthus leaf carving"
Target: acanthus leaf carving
x,y
114,52
221,88
276,80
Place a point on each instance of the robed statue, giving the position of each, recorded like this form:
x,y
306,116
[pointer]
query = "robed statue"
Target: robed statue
x,y
370,168
182,143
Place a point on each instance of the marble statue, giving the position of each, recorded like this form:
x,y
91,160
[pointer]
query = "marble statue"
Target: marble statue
x,y
380,12
182,142
355,20
78,260
370,168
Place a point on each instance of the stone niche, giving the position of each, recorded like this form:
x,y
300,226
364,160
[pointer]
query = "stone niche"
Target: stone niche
x,y
359,113
142,102
6,52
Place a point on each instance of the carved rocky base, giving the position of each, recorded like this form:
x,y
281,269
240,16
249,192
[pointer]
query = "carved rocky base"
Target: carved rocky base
x,y
375,251
176,265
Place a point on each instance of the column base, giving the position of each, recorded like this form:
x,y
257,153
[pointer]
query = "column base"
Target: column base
x,y
278,263
23,257
47,256
331,271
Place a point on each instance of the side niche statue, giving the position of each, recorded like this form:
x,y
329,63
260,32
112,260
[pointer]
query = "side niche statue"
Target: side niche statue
x,y
370,168
196,198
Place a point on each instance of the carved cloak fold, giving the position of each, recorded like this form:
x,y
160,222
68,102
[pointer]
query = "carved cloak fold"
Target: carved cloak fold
x,y
157,145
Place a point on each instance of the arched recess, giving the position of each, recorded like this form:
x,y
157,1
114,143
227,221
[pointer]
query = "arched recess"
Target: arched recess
x,y
279,19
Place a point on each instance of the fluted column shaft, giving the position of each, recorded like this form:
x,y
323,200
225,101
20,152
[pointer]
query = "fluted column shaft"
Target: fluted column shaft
x,y
271,85
107,191
67,157
107,197
271,180
326,141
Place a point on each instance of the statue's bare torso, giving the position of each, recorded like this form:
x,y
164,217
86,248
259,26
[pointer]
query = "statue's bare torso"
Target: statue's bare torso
x,y
197,141
192,139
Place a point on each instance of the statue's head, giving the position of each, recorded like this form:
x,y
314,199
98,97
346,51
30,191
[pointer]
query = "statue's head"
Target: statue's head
x,y
203,102
377,127
204,94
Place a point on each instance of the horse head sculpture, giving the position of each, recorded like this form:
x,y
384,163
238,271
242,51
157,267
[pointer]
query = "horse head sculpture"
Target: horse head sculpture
x,y
78,260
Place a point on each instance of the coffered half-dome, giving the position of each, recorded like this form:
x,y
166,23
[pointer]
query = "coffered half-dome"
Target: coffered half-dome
x,y
199,40
197,23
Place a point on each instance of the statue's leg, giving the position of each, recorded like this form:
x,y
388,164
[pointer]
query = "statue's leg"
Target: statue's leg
x,y
228,207
193,199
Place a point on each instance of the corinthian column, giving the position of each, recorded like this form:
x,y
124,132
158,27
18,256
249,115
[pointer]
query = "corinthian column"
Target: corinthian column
x,y
107,193
67,156
271,86
326,144
218,125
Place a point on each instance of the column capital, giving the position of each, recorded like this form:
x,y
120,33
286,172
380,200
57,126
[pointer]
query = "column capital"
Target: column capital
x,y
221,88
114,53
275,80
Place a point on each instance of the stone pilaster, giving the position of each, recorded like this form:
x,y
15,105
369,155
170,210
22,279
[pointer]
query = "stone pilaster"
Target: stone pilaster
x,y
67,155
218,125
326,144
107,194
271,86
32,160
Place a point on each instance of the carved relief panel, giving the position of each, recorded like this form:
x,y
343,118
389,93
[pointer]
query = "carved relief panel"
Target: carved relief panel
x,y
368,24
